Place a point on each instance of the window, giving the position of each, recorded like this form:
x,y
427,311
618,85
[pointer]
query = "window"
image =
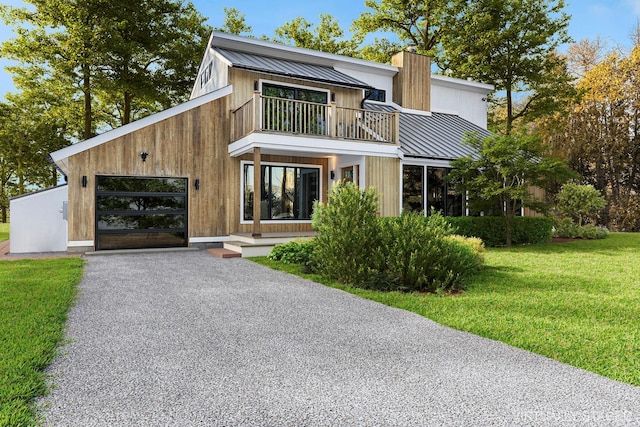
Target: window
x,y
294,109
440,196
413,188
286,192
375,95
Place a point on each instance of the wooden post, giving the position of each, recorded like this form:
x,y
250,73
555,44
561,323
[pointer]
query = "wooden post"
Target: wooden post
x,y
396,127
257,192
333,120
256,111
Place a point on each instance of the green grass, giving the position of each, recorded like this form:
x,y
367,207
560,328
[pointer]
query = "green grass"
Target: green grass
x,y
35,296
4,231
576,302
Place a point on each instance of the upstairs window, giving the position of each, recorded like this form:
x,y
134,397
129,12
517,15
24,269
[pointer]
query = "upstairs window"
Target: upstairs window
x,y
375,95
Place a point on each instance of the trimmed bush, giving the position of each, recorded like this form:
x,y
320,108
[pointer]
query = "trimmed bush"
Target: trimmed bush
x,y
421,254
348,234
566,228
492,229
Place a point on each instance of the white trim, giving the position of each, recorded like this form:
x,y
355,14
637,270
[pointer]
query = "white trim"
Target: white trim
x,y
79,243
60,157
305,145
275,221
444,111
468,85
214,239
416,112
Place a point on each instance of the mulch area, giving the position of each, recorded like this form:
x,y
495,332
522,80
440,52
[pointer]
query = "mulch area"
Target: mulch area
x,y
5,253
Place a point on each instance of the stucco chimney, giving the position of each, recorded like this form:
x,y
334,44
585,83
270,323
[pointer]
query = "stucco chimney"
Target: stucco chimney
x,y
412,84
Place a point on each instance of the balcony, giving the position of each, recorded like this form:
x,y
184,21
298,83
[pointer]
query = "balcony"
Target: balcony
x,y
307,119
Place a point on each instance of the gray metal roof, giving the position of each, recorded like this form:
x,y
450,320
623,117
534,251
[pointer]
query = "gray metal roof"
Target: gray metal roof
x,y
434,136
288,68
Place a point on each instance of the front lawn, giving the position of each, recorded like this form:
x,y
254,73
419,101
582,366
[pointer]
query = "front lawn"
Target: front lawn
x,y
4,231
35,296
576,302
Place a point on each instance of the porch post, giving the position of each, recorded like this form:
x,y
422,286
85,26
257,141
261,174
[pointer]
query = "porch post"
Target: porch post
x,y
257,191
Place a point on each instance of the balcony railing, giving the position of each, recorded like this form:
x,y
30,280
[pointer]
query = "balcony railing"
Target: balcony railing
x,y
288,116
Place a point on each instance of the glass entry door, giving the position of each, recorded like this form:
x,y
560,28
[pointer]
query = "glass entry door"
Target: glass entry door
x,y
135,212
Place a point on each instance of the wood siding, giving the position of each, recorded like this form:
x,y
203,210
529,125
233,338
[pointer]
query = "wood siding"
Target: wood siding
x,y
243,83
384,174
412,84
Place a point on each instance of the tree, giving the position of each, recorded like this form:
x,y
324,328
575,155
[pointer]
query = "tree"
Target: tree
x,y
234,22
327,36
579,201
419,22
101,48
502,172
511,44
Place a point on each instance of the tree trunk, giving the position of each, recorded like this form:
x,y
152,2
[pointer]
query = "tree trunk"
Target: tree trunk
x,y
509,111
128,97
88,114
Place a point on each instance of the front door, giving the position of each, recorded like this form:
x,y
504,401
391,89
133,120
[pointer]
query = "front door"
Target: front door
x,y
136,212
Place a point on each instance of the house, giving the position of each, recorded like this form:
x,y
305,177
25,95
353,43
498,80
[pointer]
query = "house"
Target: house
x,y
304,119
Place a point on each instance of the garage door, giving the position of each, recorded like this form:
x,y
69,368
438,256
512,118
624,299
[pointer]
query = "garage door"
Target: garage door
x,y
134,212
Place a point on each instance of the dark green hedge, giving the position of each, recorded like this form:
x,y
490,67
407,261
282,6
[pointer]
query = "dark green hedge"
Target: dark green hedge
x,y
492,229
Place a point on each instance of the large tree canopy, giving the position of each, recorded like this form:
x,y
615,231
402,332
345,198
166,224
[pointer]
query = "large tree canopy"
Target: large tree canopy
x,y
511,44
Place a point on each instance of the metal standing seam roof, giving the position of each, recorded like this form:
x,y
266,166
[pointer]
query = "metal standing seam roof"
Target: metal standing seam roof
x,y
434,136
288,68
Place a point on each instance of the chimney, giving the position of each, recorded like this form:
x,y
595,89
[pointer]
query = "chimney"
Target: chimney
x,y
412,84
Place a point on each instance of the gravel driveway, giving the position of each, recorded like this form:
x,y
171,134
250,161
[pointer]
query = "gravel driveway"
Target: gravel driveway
x,y
186,339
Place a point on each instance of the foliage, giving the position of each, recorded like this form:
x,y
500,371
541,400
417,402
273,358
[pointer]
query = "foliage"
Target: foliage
x,y
492,230
420,255
121,59
491,41
295,252
547,299
421,23
4,232
234,22
579,201
600,133
326,37
503,170
35,296
348,233
566,228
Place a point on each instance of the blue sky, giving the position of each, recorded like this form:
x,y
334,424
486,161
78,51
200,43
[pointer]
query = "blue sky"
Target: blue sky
x,y
612,20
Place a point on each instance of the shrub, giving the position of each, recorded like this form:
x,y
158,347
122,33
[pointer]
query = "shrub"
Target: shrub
x,y
421,254
476,244
297,251
348,234
579,201
493,229
566,228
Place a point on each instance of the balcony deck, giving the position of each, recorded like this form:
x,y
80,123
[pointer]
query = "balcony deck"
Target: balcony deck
x,y
286,116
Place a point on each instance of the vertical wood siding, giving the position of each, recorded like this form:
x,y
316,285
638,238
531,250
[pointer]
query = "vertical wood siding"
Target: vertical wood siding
x,y
384,174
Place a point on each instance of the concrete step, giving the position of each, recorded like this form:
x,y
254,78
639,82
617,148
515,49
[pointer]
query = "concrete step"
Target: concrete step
x,y
249,249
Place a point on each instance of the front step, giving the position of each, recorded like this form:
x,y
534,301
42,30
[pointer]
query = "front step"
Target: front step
x,y
224,253
249,249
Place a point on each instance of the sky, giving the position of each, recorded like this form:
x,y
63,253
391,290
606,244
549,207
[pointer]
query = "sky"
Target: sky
x,y
612,20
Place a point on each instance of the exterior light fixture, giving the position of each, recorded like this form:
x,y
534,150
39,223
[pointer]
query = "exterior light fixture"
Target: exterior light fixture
x,y
196,184
143,155
333,175
84,181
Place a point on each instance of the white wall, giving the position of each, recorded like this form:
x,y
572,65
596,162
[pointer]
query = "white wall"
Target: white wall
x,y
37,224
464,98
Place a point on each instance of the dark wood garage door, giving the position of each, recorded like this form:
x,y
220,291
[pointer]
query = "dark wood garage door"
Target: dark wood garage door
x,y
135,212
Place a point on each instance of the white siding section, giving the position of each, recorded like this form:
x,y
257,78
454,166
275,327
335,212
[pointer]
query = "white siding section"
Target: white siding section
x,y
213,74
378,81
37,224
461,97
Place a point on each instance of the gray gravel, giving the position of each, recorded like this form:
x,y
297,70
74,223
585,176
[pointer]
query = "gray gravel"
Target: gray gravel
x,y
188,339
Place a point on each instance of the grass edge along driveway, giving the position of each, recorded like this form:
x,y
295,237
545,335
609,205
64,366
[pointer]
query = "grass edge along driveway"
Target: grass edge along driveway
x,y
577,302
35,296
